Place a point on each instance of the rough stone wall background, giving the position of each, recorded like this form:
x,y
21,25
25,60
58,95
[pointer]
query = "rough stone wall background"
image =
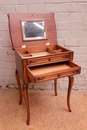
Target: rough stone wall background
x,y
71,24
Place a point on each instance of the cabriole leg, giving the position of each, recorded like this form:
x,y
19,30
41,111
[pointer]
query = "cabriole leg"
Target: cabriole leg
x,y
19,86
71,80
55,86
25,92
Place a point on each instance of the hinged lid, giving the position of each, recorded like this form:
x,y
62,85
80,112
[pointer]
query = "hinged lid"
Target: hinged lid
x,y
41,21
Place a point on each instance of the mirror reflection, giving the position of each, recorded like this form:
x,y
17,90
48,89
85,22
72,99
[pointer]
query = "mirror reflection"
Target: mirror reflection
x,y
33,30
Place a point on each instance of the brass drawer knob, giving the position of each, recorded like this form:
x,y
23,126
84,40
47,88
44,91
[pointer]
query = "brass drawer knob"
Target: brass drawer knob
x,y
59,75
49,59
76,71
66,56
31,61
40,78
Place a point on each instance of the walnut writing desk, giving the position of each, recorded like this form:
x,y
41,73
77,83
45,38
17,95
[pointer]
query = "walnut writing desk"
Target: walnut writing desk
x,y
38,56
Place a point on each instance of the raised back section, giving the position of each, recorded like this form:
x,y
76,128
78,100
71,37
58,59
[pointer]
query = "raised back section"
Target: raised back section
x,y
16,29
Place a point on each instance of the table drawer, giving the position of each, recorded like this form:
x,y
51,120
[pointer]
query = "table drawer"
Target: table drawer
x,y
47,60
52,71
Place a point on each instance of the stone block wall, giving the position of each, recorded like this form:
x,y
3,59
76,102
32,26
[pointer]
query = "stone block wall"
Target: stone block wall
x,y
71,25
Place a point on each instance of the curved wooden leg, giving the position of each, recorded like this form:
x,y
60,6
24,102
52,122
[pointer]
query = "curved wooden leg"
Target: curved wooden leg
x,y
71,80
25,92
55,86
19,86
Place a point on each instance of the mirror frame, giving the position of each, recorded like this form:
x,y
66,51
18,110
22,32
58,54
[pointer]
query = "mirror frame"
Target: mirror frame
x,y
33,38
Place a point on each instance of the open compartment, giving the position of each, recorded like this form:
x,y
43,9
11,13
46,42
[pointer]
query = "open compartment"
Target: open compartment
x,y
56,49
34,51
42,51
52,71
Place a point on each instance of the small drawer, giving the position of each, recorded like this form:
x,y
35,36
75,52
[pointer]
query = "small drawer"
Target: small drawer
x,y
47,60
52,71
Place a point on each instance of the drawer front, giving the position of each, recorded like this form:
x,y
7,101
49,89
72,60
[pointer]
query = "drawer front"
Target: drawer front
x,y
44,74
47,60
55,76
69,73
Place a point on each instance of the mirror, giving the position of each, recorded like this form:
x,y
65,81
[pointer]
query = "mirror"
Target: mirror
x,y
33,30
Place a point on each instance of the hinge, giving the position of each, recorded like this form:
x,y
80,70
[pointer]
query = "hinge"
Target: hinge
x,y
23,46
47,43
